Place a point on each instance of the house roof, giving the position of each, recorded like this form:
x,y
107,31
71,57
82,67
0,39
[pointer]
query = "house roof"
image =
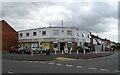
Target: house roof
x,y
46,28
3,21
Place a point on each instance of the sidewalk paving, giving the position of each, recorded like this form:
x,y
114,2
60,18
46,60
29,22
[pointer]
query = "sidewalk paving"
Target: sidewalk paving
x,y
52,56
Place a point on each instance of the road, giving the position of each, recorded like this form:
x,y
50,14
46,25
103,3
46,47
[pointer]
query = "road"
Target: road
x,y
107,64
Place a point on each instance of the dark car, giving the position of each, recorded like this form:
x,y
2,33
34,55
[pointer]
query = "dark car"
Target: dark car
x,y
13,49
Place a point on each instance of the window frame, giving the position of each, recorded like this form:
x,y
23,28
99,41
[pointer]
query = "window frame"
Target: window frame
x,y
34,34
27,35
43,34
56,33
69,32
21,35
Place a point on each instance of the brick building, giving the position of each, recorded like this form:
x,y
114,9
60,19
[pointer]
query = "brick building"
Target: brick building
x,y
8,36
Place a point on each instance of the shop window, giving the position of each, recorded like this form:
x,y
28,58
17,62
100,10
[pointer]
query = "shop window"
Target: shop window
x,y
34,33
27,34
69,32
55,45
56,32
43,32
21,34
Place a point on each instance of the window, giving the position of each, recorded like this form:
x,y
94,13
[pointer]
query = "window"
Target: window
x,y
69,32
34,33
27,34
56,32
21,35
43,32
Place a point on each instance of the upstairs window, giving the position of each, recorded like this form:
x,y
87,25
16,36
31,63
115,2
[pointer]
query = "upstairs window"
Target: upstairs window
x,y
21,34
43,32
69,32
56,32
34,33
27,34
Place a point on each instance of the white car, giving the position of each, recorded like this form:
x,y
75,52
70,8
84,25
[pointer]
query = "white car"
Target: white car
x,y
31,50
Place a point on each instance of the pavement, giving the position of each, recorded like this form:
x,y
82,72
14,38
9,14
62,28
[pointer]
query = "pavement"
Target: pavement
x,y
53,56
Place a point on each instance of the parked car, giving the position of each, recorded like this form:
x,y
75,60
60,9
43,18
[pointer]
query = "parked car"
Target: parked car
x,y
87,49
21,50
13,49
41,50
31,50
82,48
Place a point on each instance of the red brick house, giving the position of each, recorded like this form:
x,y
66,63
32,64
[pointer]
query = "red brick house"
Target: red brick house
x,y
8,36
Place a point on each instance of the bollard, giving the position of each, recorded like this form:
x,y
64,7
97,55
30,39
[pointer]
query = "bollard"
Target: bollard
x,y
62,52
77,51
70,51
84,51
31,52
55,52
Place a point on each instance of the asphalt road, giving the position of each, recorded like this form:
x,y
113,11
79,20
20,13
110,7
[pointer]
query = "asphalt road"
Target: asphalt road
x,y
107,64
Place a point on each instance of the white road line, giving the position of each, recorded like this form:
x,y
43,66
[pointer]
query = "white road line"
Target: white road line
x,y
10,72
58,64
42,62
30,61
51,63
79,66
69,65
116,71
104,70
92,68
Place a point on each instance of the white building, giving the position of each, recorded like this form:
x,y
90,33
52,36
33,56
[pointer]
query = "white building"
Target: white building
x,y
50,37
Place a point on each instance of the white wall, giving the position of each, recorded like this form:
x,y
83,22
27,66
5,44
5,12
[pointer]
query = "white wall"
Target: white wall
x,y
49,33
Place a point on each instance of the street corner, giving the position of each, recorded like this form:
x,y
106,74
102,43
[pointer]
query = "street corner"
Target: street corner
x,y
64,58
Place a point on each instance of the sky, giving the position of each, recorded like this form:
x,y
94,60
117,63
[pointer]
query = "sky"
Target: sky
x,y
100,18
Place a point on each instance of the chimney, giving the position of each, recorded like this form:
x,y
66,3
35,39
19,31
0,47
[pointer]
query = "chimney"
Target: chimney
x,y
50,24
62,23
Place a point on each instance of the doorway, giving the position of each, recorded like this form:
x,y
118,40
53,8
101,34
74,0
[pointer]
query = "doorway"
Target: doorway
x,y
62,45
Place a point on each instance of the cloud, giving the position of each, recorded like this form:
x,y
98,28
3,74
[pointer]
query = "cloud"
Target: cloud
x,y
100,17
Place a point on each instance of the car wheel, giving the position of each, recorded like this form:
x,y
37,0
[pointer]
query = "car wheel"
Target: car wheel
x,y
22,52
10,51
17,52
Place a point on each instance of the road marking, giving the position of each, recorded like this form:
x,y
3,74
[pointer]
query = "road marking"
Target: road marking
x,y
69,65
104,70
51,63
10,72
30,61
92,68
42,62
79,66
58,64
116,71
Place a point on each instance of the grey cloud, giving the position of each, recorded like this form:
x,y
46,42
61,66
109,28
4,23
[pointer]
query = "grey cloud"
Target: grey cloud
x,y
23,15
